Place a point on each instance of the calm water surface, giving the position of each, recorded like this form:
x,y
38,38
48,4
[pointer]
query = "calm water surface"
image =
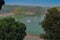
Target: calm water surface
x,y
32,23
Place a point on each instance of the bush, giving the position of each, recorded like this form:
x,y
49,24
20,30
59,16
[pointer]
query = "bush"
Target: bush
x,y
11,30
51,25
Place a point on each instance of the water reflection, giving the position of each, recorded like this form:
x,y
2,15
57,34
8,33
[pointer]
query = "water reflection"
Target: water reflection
x,y
28,20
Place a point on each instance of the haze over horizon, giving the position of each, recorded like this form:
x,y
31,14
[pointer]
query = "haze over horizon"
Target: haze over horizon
x,y
45,3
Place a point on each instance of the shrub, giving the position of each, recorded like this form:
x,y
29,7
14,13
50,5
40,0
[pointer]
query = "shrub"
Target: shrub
x,y
11,29
51,25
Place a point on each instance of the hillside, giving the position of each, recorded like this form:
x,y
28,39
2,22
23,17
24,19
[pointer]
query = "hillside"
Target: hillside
x,y
10,8
58,8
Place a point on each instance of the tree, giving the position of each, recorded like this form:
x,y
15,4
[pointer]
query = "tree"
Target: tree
x,y
51,25
19,10
11,29
1,3
19,13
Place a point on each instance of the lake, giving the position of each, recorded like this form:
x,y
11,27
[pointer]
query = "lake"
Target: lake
x,y
32,24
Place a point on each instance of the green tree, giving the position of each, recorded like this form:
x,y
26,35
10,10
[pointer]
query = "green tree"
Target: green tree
x,y
11,29
19,10
19,13
51,25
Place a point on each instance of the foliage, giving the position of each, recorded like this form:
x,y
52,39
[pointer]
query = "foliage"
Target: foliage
x,y
19,10
51,25
11,29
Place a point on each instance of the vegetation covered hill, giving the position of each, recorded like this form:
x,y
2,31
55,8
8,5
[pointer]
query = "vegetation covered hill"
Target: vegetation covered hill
x,y
10,8
58,8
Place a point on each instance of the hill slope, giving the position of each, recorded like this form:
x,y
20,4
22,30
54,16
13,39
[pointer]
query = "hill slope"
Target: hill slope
x,y
10,8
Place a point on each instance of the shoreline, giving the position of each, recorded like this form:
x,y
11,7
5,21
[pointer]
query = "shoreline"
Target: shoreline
x,y
29,36
33,34
9,14
32,37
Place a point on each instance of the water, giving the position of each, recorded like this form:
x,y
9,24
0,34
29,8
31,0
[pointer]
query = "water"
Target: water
x,y
32,24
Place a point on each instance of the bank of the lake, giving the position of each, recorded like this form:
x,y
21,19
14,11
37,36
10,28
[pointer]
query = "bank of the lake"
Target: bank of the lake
x,y
31,22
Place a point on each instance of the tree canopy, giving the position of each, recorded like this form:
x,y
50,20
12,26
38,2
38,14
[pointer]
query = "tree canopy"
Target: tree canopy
x,y
51,25
11,29
19,10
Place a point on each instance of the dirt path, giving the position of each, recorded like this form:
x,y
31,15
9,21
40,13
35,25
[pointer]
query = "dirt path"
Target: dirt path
x,y
32,37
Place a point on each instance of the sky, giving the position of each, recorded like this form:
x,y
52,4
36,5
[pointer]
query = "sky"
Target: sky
x,y
46,3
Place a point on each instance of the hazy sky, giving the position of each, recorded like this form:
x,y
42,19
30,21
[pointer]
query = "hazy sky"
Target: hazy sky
x,y
34,2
